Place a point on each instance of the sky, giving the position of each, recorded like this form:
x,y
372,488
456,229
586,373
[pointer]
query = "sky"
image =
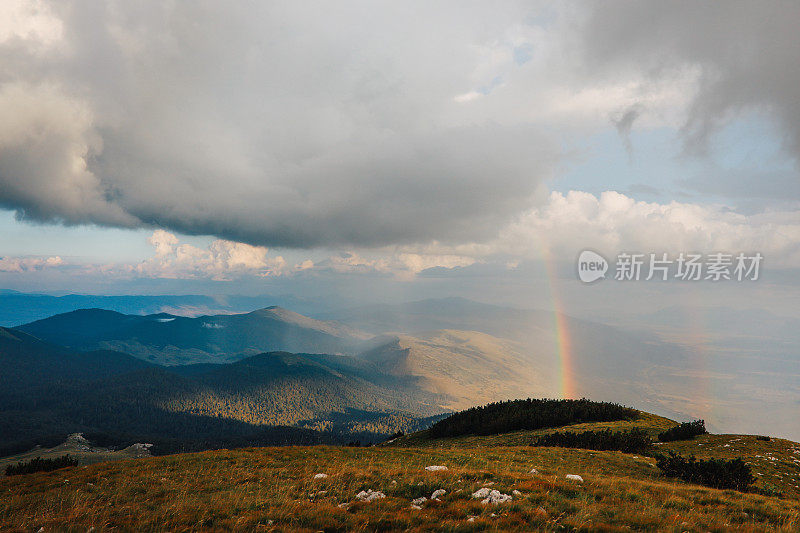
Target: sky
x,y
377,151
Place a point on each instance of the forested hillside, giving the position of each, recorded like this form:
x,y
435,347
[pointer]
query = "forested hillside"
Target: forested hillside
x,y
49,391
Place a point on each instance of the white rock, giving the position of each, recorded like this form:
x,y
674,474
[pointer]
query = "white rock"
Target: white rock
x,y
496,497
419,501
369,495
481,493
516,493
533,471
415,507
343,505
492,496
471,519
320,476
435,468
437,493
575,477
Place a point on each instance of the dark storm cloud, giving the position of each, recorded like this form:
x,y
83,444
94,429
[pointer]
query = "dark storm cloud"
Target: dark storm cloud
x,y
747,54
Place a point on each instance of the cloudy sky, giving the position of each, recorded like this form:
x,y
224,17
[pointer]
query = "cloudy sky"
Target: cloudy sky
x,y
392,148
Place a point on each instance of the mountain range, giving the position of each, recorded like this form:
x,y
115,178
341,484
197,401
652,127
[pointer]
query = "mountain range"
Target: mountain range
x,y
275,376
176,340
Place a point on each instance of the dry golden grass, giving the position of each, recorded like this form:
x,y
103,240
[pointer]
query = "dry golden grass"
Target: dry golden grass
x,y
775,463
273,489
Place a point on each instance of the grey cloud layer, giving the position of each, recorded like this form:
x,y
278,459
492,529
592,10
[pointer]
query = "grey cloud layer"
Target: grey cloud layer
x,y
747,53
346,123
262,123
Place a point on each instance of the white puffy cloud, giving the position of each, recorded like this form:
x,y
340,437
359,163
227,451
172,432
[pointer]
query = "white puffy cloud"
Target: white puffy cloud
x,y
613,223
29,20
221,260
28,264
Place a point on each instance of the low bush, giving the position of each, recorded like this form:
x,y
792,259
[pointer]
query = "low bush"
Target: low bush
x,y
685,431
716,473
632,441
38,464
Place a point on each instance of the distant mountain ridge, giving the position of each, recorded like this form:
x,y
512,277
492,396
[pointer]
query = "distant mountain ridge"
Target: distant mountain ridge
x,y
18,308
174,340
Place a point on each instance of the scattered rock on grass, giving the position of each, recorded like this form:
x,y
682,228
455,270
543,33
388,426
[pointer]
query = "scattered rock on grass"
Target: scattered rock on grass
x,y
369,495
496,497
534,471
516,493
418,501
481,493
435,468
575,477
320,476
437,493
491,496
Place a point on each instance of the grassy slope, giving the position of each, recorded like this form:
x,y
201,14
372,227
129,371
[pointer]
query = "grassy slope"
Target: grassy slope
x,y
775,463
246,489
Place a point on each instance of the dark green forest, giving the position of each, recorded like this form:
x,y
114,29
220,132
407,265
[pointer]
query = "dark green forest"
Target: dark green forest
x,y
516,415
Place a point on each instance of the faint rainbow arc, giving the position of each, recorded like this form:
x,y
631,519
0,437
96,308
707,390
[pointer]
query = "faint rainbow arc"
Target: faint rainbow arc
x,y
563,342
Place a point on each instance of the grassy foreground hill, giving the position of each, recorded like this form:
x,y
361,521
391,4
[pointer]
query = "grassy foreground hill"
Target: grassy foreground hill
x,y
265,489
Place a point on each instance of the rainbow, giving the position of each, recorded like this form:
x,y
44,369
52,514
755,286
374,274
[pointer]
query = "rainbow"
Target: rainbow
x,y
563,344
